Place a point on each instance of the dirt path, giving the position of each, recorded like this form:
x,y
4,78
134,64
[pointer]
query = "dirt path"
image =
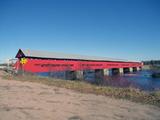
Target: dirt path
x,y
32,101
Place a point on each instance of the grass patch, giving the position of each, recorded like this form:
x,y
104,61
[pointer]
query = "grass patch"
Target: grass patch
x,y
132,94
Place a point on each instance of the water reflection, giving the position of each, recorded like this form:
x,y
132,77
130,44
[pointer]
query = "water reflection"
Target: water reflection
x,y
141,80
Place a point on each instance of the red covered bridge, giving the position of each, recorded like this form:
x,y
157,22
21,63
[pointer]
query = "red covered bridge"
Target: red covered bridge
x,y
44,63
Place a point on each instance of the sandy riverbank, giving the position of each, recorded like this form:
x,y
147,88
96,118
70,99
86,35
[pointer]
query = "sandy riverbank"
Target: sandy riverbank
x,y
33,101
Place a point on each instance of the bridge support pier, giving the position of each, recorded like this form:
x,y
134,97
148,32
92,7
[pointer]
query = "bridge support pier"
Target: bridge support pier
x,y
138,68
121,70
74,75
79,74
131,69
99,73
106,72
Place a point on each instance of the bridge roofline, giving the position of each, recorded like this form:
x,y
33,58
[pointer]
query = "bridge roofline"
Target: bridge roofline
x,y
62,56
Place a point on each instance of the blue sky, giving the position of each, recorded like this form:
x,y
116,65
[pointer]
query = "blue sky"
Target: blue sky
x,y
128,29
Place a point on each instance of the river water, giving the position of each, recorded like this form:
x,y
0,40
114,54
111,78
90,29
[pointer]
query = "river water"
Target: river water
x,y
140,79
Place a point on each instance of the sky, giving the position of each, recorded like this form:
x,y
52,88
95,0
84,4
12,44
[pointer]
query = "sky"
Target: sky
x,y
125,29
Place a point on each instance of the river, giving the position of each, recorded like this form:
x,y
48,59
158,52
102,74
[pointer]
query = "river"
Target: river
x,y
140,79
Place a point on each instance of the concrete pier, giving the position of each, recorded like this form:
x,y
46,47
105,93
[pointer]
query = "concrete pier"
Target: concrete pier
x,y
79,75
138,68
74,75
131,69
106,72
99,73
121,70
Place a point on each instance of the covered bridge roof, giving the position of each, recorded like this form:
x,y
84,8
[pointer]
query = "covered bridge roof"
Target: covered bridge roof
x,y
54,55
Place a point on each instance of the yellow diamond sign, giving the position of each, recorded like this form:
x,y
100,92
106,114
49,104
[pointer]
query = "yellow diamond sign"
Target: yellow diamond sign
x,y
23,61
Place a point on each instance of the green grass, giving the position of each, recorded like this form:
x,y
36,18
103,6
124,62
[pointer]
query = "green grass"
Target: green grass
x,y
132,94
